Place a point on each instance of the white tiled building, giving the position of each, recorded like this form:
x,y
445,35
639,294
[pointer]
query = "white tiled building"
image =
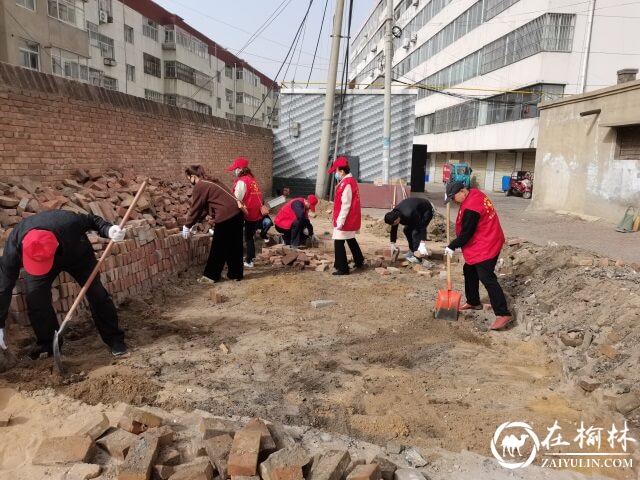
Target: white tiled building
x,y
484,66
139,48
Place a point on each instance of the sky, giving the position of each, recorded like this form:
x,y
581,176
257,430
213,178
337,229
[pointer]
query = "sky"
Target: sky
x,y
233,23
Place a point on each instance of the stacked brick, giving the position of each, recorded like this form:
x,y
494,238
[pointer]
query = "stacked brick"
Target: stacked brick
x,y
107,194
143,446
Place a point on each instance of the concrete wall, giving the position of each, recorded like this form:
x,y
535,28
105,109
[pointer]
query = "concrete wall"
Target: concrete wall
x,y
576,168
50,126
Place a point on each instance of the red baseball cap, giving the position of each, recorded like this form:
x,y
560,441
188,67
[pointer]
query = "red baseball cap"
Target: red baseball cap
x,y
339,163
38,251
238,163
313,201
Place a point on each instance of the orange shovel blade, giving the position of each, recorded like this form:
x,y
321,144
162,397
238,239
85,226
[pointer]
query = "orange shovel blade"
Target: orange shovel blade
x,y
447,305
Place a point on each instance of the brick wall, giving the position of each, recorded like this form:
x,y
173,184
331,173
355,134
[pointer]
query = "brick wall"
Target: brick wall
x,y
50,126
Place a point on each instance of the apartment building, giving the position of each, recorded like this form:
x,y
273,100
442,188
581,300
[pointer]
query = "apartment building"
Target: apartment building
x,y
139,48
483,67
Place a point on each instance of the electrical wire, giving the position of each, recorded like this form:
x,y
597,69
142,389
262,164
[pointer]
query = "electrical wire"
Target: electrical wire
x,y
326,3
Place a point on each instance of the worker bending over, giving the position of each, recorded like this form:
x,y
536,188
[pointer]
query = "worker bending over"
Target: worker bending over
x,y
415,214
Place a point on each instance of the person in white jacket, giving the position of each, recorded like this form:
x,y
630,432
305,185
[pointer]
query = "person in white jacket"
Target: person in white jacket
x,y
347,217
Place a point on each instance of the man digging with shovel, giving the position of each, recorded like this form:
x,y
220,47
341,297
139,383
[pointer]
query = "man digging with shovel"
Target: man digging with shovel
x,y
45,245
480,237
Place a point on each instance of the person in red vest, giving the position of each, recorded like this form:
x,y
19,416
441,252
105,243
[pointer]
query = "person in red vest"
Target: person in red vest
x,y
293,222
480,237
347,217
247,190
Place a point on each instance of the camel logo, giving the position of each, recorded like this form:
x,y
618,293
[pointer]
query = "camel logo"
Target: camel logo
x,y
511,444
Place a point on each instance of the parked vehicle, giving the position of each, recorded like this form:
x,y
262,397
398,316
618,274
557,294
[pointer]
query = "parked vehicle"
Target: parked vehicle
x,y
457,172
521,184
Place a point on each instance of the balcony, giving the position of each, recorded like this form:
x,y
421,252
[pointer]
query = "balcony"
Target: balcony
x,y
169,42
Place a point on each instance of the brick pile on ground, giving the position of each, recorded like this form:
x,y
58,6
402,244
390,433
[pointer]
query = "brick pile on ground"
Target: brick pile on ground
x,y
145,445
107,194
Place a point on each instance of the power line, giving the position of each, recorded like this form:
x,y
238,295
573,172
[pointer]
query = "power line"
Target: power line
x,y
318,42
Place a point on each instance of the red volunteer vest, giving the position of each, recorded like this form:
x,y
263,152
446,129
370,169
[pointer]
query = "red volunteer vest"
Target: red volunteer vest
x,y
252,197
488,238
354,217
286,216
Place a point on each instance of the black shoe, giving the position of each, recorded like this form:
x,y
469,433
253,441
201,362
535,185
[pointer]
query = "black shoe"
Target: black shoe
x,y
41,351
362,266
341,272
119,349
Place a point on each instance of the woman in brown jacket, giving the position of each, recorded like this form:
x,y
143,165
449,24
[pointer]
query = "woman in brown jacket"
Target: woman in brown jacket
x,y
210,197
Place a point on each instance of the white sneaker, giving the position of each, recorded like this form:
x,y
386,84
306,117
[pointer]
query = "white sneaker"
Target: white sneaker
x,y
248,264
205,280
408,255
413,259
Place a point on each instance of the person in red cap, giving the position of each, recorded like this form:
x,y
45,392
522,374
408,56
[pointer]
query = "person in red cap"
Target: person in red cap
x,y
247,191
347,217
480,237
293,221
49,243
210,197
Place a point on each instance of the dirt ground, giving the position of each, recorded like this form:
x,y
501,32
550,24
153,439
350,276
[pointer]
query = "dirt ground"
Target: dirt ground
x,y
375,366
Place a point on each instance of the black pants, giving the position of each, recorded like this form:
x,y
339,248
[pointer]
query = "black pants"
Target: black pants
x,y
295,236
226,248
416,233
484,272
341,264
249,238
43,317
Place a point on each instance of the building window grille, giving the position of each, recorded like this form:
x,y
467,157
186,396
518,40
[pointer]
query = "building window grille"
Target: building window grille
x,y
152,65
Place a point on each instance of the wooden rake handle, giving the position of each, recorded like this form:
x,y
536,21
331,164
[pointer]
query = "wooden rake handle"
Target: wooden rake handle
x,y
104,255
448,242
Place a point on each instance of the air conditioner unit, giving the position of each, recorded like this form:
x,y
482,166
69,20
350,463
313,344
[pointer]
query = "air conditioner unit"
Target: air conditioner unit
x,y
109,19
110,62
414,37
103,17
374,48
406,41
415,3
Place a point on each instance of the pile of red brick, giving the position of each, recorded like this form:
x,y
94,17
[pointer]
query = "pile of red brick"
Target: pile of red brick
x,y
284,256
145,445
107,194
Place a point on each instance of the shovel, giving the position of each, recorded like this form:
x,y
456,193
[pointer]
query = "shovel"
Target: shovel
x,y
448,301
87,284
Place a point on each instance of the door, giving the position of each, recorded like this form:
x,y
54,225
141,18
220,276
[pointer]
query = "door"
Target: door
x,y
505,165
418,167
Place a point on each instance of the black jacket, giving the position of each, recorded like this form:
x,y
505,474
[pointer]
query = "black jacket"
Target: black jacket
x,y
414,212
71,231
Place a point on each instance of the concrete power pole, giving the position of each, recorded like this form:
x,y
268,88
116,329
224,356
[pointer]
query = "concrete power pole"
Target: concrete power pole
x,y
587,49
388,75
327,118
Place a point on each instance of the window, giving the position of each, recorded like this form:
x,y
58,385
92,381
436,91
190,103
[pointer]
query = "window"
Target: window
x,y
64,10
239,73
239,97
30,4
29,54
219,102
131,73
104,43
173,69
228,71
105,6
153,96
228,96
218,76
628,143
150,29
110,83
128,34
152,65
69,65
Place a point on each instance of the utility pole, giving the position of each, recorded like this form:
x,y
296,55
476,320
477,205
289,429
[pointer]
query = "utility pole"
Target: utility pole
x,y
587,48
327,118
388,57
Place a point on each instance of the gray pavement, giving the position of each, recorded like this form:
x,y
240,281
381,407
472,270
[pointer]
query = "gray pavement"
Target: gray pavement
x,y
541,227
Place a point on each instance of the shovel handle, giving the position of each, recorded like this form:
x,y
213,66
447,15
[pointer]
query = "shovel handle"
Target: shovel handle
x,y
96,269
448,242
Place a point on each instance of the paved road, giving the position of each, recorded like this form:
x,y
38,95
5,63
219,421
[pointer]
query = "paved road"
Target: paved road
x,y
541,227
